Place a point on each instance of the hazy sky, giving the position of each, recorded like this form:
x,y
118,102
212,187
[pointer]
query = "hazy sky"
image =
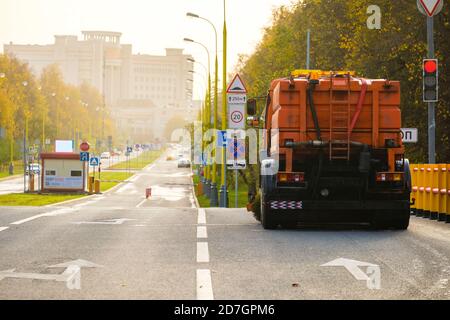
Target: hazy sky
x,y
149,25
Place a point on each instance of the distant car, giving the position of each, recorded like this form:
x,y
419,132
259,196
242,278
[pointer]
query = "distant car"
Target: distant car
x,y
33,168
184,163
170,158
105,155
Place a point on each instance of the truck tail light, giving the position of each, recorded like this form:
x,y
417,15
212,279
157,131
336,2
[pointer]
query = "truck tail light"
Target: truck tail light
x,y
389,177
291,177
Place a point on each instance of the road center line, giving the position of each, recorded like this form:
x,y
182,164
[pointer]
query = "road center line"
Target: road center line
x,y
202,233
201,216
3,228
202,252
204,285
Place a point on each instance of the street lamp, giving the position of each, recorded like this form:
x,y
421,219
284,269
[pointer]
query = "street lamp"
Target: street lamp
x,y
208,113
224,190
25,144
214,194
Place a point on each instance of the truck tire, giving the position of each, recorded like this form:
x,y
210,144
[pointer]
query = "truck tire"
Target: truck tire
x,y
399,222
267,220
402,222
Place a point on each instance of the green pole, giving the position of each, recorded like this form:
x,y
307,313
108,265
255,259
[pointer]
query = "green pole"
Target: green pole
x,y
223,191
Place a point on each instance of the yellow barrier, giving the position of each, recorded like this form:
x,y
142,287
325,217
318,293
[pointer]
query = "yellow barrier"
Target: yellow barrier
x,y
431,191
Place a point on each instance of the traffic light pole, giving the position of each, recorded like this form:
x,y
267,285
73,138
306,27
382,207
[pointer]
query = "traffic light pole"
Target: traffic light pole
x,y
431,105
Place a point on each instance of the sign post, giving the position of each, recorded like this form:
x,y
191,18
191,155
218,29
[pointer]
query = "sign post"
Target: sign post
x,y
236,102
430,8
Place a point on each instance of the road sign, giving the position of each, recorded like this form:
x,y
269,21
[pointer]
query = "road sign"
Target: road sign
x,y
84,156
236,154
410,135
94,162
430,7
236,116
222,139
237,98
129,149
237,86
85,147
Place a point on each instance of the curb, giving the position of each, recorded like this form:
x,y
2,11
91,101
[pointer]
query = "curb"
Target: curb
x,y
68,201
193,190
11,177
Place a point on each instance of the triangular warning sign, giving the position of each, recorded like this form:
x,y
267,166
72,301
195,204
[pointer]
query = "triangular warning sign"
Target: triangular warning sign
x,y
430,6
237,85
94,162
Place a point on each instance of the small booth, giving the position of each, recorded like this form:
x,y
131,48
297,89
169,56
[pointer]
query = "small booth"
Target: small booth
x,y
63,172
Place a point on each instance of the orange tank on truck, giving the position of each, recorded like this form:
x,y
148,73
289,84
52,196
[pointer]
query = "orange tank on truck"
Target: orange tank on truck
x,y
333,151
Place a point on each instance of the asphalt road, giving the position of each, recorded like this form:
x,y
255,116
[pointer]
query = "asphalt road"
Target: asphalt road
x,y
166,248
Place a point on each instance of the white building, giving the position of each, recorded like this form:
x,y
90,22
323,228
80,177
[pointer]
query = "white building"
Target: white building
x,y
157,86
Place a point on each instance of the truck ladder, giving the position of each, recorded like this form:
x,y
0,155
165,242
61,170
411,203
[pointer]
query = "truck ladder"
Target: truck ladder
x,y
339,121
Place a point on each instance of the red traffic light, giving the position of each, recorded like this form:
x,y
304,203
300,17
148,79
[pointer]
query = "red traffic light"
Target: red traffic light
x,y
430,66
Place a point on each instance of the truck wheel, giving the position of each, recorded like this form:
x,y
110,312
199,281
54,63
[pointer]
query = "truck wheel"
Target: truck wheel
x,y
402,222
266,217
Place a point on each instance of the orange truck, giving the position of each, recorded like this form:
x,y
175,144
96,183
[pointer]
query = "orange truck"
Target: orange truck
x,y
333,152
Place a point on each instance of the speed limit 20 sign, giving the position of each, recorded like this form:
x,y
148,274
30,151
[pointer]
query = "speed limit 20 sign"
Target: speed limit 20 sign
x,y
236,116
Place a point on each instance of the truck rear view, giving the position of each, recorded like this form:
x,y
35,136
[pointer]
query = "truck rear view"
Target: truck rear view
x,y
334,152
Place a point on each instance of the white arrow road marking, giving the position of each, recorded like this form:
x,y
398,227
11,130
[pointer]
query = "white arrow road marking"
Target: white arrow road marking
x,y
352,266
3,228
80,263
105,222
47,214
204,285
202,252
71,275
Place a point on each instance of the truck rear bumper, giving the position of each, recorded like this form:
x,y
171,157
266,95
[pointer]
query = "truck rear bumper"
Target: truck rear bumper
x,y
337,211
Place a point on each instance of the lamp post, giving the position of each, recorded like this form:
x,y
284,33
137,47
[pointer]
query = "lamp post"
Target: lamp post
x,y
203,119
25,145
11,140
214,194
208,174
224,190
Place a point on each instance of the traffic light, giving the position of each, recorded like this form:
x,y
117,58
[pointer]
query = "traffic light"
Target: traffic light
x,y
430,80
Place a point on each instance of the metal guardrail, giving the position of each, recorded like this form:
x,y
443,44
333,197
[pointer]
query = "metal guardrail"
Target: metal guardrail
x,y
431,191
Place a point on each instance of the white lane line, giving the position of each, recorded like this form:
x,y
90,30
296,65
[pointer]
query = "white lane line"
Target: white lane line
x,y
202,252
141,203
202,233
133,179
3,228
201,216
204,285
47,214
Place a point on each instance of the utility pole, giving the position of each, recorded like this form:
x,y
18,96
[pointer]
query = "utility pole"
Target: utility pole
x,y
308,49
431,105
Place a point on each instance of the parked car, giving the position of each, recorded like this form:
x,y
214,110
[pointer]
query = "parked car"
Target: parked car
x,y
105,155
34,168
184,163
